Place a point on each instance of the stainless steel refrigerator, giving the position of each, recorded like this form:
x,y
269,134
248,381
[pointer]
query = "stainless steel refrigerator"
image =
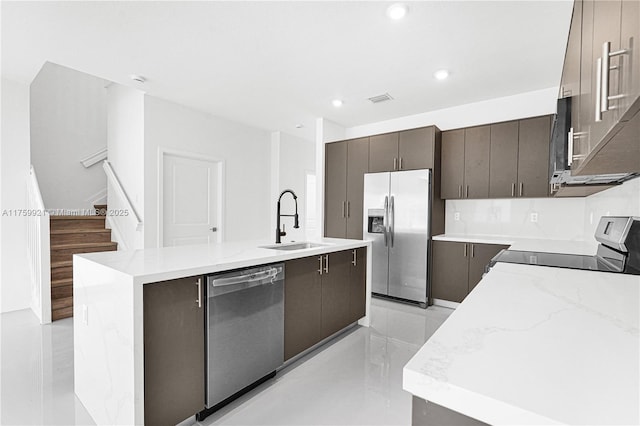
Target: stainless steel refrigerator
x,y
397,206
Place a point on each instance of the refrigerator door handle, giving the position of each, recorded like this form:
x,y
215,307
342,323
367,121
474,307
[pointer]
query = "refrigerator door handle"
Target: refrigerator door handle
x,y
385,219
392,220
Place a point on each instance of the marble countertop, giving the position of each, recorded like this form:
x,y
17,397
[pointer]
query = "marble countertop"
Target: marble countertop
x,y
159,264
537,345
527,244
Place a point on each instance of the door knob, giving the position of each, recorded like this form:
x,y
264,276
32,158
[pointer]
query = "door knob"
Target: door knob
x,y
214,229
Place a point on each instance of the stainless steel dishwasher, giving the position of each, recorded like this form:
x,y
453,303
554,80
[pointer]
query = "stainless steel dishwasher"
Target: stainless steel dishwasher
x,y
244,329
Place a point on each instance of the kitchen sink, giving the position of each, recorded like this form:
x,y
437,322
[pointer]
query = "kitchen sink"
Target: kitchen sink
x,y
293,246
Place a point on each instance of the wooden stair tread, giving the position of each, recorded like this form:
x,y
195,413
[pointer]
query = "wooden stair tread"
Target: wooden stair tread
x,y
77,217
62,282
79,231
82,245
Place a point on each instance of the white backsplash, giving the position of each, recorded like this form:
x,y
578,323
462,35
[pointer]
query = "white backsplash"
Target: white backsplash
x,y
572,219
558,219
623,200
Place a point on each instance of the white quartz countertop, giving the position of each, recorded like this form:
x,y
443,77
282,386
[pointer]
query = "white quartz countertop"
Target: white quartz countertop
x,y
526,244
159,264
537,345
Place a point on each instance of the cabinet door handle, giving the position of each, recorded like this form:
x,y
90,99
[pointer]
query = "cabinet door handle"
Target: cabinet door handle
x,y
348,208
400,163
459,191
354,262
607,54
521,188
320,270
199,286
343,208
467,196
395,163
472,250
465,249
326,263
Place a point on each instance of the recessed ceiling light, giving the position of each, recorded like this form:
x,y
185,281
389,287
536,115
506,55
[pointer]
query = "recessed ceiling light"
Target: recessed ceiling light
x,y
337,103
397,11
137,78
441,74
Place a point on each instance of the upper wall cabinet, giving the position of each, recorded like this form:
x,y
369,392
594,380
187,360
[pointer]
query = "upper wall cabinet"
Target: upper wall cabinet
x,y
465,163
603,46
346,163
501,160
406,150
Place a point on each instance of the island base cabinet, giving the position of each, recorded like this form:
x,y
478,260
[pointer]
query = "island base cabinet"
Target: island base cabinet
x,y
358,285
323,295
302,305
174,360
425,413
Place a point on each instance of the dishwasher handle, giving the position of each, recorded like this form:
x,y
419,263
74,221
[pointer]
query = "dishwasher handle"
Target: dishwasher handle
x,y
246,278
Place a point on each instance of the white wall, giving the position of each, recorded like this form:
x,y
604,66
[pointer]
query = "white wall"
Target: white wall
x,y
68,123
246,154
297,157
125,141
14,171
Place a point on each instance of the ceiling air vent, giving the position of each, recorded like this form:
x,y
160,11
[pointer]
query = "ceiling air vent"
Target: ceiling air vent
x,y
380,98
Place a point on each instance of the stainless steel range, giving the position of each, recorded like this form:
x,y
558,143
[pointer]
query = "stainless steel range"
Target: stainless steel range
x,y
618,252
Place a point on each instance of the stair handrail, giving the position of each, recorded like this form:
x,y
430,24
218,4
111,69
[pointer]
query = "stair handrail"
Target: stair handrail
x,y
94,158
39,250
120,191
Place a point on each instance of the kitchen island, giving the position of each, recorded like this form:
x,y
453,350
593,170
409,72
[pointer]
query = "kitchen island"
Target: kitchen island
x,y
534,345
109,329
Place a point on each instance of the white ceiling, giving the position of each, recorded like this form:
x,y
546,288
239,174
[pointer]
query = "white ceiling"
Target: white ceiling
x,y
276,64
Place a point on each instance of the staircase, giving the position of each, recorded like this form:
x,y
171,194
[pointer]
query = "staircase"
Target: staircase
x,y
70,235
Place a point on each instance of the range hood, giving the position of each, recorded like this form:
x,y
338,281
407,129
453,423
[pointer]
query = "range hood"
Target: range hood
x,y
560,164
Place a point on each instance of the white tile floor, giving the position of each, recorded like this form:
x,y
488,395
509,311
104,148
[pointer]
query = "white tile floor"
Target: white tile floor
x,y
354,380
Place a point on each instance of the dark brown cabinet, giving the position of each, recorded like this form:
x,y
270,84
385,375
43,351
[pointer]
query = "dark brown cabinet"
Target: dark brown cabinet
x,y
452,164
500,160
458,267
346,163
503,170
335,279
174,376
302,305
533,157
476,162
570,81
406,150
608,95
465,163
357,284
323,294
383,153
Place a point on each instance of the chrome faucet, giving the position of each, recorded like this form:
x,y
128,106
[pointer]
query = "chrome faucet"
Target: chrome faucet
x,y
296,224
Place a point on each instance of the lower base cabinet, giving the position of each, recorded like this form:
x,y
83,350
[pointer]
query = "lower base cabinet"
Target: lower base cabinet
x,y
174,358
458,267
323,294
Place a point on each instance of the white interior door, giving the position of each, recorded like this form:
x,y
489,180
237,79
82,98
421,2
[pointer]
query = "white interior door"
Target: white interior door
x,y
191,200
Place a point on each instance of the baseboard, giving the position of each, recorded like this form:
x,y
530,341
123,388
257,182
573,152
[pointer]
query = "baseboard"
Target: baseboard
x,y
446,303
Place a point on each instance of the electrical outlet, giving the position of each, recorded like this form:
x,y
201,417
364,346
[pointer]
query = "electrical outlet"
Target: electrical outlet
x,y
85,314
456,216
534,217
